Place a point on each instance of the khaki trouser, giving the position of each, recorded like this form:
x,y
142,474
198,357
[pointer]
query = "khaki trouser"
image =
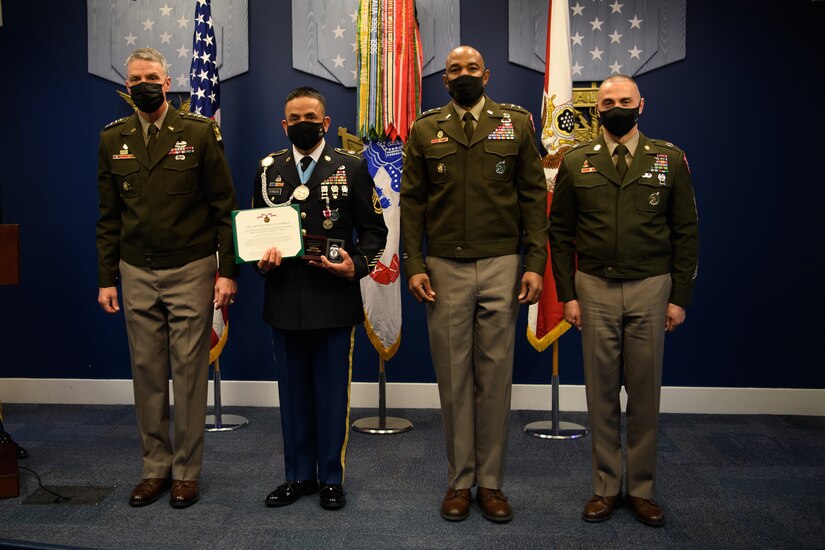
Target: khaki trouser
x,y
169,321
472,335
623,340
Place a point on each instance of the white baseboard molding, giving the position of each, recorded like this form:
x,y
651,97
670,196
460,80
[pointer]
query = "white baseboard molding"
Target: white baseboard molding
x,y
810,402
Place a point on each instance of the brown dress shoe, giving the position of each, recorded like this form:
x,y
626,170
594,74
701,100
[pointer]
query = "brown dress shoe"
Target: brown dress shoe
x,y
184,493
456,504
494,505
646,511
600,508
149,490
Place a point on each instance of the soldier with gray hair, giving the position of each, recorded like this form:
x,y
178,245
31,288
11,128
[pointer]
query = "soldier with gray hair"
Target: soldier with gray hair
x,y
166,198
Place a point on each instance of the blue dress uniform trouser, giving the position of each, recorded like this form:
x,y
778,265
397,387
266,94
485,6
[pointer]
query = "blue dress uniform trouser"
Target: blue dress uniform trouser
x,y
314,370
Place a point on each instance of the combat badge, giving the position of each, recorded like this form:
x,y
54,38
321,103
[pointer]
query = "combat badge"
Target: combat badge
x,y
439,138
124,153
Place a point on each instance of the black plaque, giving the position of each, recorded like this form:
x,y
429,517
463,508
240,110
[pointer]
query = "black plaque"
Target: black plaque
x,y
315,246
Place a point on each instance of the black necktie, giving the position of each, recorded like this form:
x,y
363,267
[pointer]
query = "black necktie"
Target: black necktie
x,y
305,162
468,126
621,161
152,144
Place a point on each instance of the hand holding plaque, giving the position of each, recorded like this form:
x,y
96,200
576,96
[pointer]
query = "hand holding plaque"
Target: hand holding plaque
x,y
316,246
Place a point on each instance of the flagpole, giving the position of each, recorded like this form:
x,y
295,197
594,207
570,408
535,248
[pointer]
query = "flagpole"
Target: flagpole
x,y
382,424
555,429
220,422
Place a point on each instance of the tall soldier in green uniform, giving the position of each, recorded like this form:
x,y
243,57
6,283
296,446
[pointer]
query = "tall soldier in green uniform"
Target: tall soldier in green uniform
x,y
623,207
473,188
166,199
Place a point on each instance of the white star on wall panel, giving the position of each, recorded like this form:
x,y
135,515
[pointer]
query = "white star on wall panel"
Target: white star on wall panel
x,y
117,27
606,36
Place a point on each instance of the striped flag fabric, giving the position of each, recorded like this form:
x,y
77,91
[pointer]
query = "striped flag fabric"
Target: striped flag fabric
x,y
204,99
389,68
204,84
545,319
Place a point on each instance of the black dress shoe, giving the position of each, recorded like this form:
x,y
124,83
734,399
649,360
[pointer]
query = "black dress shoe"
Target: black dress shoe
x,y
333,497
291,491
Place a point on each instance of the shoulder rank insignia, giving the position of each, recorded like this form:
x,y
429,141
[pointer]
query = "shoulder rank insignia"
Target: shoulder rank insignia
x,y
663,143
430,112
196,116
118,121
217,131
348,152
514,107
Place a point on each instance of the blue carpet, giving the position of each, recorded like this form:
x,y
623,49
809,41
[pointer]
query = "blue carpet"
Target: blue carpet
x,y
725,482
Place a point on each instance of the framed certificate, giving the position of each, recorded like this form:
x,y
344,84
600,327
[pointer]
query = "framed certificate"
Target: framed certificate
x,y
259,229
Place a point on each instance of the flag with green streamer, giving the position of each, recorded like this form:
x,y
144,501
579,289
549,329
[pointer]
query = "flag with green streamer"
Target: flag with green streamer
x,y
389,99
389,69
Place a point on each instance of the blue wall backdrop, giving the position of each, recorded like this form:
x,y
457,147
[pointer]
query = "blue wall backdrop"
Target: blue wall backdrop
x,y
742,105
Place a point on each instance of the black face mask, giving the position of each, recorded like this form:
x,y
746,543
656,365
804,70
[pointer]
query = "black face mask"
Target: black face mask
x,y
466,89
619,120
148,96
305,134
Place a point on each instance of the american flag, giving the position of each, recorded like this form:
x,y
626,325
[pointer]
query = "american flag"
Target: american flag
x,y
204,84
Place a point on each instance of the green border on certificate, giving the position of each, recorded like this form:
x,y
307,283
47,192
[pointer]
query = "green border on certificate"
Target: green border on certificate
x,y
258,229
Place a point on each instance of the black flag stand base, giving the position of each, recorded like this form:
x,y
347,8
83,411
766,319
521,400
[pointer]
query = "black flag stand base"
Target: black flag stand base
x,y
382,424
220,422
554,429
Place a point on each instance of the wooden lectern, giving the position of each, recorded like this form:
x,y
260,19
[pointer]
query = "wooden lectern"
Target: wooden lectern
x,y
9,254
9,472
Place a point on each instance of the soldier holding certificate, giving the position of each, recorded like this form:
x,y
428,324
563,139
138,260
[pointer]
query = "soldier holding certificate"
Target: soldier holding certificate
x,y
313,302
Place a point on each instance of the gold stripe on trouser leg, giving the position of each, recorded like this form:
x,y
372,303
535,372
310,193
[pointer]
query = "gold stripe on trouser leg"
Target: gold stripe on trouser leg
x,y
346,427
